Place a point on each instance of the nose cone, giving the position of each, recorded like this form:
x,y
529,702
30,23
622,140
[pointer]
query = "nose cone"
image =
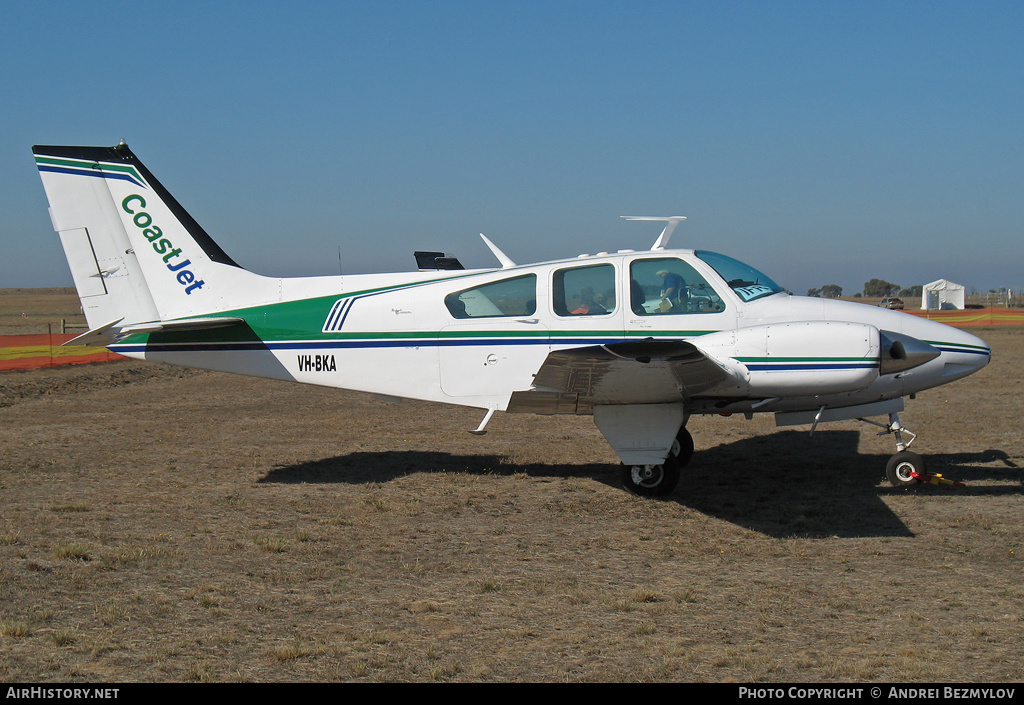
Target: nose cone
x,y
961,353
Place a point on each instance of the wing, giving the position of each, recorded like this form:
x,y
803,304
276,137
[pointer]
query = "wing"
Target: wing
x,y
636,372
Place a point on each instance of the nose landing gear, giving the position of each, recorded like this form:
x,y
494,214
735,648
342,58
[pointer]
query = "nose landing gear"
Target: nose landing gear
x,y
906,468
903,469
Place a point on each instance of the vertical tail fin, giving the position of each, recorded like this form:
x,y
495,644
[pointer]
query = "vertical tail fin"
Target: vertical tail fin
x,y
135,254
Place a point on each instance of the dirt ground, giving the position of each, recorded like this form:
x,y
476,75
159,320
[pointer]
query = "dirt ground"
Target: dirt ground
x,y
162,524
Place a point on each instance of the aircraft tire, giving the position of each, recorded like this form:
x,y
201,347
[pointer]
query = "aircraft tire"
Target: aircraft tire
x,y
901,465
651,480
682,449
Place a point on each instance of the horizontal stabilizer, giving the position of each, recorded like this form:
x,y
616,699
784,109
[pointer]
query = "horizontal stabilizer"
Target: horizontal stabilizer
x,y
111,332
99,337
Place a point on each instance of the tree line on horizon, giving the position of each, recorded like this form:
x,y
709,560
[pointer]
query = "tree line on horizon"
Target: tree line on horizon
x,y
876,288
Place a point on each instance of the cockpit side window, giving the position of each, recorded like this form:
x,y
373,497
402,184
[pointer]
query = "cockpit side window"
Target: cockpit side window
x,y
668,285
508,297
584,291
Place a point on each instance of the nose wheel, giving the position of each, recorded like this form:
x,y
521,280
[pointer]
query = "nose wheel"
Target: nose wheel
x,y
904,469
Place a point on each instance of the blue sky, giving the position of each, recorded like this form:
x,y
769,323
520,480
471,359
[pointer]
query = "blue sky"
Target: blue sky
x,y
824,142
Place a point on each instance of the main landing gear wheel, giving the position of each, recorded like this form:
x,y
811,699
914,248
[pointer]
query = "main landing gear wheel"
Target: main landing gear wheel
x,y
682,449
901,469
651,480
660,480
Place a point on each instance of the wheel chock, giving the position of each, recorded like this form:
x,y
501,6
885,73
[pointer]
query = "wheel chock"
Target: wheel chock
x,y
934,479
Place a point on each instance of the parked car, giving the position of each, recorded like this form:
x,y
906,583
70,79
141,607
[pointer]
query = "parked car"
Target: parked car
x,y
893,302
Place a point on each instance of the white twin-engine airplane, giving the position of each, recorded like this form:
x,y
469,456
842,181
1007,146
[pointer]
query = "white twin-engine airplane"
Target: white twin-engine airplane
x,y
638,339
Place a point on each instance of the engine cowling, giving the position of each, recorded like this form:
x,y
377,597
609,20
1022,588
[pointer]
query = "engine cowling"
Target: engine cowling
x,y
803,358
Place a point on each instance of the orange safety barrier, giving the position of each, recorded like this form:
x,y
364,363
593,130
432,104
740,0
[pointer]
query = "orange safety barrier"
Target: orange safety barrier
x,y
26,352
975,317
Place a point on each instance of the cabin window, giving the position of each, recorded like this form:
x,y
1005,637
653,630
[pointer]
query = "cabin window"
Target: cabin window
x,y
668,285
509,297
584,291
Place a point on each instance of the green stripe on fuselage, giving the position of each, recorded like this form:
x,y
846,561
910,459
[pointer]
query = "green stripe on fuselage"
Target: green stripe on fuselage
x,y
303,320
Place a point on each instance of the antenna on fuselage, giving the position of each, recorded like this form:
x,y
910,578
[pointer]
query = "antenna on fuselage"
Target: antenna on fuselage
x,y
502,257
670,221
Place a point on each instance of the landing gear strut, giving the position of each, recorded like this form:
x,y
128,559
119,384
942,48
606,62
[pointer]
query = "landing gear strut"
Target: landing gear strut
x,y
905,468
659,480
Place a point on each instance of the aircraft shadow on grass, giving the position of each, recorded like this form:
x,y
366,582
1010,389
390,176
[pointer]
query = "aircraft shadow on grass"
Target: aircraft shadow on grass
x,y
783,484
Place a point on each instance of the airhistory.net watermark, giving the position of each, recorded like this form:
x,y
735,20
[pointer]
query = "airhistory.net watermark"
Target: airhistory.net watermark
x,y
61,693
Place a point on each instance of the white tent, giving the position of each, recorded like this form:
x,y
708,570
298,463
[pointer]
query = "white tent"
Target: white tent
x,y
942,294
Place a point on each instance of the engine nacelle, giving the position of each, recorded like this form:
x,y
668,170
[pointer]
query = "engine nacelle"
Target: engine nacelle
x,y
803,358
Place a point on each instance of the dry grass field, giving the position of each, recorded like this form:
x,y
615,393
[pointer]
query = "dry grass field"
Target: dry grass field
x,y
27,311
161,524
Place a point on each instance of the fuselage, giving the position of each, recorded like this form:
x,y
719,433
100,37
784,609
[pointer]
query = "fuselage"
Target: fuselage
x,y
474,337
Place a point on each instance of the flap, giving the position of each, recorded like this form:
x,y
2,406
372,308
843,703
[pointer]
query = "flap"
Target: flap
x,y
632,372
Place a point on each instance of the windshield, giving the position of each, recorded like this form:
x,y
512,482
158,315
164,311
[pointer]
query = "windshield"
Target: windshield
x,y
747,282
